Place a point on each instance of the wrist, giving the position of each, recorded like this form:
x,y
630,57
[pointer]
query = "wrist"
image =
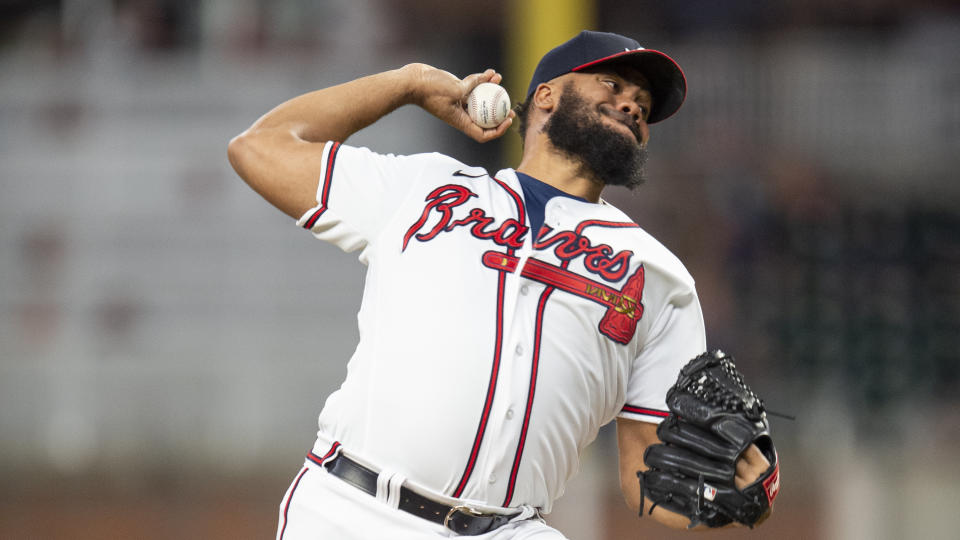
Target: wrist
x,y
410,83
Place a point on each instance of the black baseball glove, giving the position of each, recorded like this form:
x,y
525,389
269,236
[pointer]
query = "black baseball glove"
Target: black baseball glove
x,y
713,418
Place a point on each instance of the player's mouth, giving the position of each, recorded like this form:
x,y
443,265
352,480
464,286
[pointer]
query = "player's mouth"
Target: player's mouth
x,y
625,119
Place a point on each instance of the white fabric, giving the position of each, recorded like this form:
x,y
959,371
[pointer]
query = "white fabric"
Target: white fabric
x,y
383,487
394,482
320,506
435,322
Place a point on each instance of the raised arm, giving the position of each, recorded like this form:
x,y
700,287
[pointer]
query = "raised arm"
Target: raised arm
x,y
279,155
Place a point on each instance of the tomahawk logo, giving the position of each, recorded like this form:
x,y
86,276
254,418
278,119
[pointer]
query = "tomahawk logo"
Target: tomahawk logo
x,y
624,308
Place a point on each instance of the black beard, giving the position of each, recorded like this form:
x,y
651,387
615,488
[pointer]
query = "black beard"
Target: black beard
x,y
611,158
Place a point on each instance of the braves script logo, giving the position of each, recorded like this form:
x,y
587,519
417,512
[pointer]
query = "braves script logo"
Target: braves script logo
x,y
600,260
567,245
443,200
624,308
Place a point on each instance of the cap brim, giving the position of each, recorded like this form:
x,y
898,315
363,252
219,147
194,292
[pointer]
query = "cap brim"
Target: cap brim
x,y
667,81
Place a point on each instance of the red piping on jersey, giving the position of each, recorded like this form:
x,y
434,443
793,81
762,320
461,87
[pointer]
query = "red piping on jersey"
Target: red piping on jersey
x,y
612,224
497,355
286,506
325,192
521,216
320,460
534,366
491,390
643,410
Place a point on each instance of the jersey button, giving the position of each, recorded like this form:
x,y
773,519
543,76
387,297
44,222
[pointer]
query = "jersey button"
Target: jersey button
x,y
519,350
524,290
492,479
509,414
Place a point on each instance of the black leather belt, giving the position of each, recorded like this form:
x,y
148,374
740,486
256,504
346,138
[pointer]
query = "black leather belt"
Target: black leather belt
x,y
459,519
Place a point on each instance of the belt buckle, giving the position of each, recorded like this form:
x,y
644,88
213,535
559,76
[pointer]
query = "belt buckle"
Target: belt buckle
x,y
459,508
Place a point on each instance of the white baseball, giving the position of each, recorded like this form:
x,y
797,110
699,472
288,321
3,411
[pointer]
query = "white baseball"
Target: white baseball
x,y
488,105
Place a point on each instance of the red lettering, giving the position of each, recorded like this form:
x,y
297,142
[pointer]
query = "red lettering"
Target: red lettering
x,y
597,259
511,234
443,199
567,245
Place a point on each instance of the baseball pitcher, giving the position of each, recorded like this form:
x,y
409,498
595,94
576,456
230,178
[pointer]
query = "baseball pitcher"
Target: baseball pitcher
x,y
506,317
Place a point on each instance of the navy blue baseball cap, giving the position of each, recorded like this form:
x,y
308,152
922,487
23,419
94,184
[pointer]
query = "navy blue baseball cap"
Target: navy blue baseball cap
x,y
590,49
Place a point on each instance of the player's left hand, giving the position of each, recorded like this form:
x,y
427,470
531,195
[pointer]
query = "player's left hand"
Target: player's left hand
x,y
751,465
717,464
443,95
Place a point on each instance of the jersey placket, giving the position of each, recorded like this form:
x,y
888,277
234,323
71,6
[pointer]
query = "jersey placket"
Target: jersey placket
x,y
509,407
483,476
526,336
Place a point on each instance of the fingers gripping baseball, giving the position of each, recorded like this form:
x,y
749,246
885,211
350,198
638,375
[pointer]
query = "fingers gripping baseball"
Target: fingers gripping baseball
x,y
444,95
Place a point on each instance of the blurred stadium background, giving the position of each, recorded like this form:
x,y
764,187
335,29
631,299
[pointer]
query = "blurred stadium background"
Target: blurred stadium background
x,y
167,338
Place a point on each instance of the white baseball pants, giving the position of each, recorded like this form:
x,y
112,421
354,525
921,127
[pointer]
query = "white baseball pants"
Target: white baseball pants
x,y
320,506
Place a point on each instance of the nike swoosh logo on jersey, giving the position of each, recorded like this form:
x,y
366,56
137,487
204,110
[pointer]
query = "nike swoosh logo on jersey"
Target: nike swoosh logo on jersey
x,y
460,172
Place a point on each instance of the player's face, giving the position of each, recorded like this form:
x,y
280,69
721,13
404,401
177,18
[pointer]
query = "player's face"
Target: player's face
x,y
587,125
622,96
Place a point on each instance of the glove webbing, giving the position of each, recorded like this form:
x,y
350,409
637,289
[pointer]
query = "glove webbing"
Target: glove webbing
x,y
707,389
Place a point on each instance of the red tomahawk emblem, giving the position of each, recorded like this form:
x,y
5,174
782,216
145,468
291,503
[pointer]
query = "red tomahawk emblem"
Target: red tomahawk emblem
x,y
624,308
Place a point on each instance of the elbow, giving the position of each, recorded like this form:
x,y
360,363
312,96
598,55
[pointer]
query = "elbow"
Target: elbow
x,y
237,150
246,153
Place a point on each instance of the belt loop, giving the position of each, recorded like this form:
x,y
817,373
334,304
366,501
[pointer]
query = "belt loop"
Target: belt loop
x,y
326,459
333,454
383,493
394,483
388,487
528,512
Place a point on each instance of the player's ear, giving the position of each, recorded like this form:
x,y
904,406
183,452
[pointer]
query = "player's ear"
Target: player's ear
x,y
545,97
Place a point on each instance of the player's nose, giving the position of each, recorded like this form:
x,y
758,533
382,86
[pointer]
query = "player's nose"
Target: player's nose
x,y
635,112
632,108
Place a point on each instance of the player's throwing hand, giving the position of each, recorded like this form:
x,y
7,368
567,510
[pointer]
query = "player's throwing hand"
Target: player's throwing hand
x,y
443,95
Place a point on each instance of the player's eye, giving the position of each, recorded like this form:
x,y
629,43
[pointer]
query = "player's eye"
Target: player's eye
x,y
614,85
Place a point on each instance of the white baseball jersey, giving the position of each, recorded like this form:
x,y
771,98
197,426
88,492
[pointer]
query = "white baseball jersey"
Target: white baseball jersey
x,y
490,356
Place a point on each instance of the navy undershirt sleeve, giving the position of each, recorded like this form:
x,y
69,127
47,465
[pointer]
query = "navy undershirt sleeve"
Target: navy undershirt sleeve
x,y
535,197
